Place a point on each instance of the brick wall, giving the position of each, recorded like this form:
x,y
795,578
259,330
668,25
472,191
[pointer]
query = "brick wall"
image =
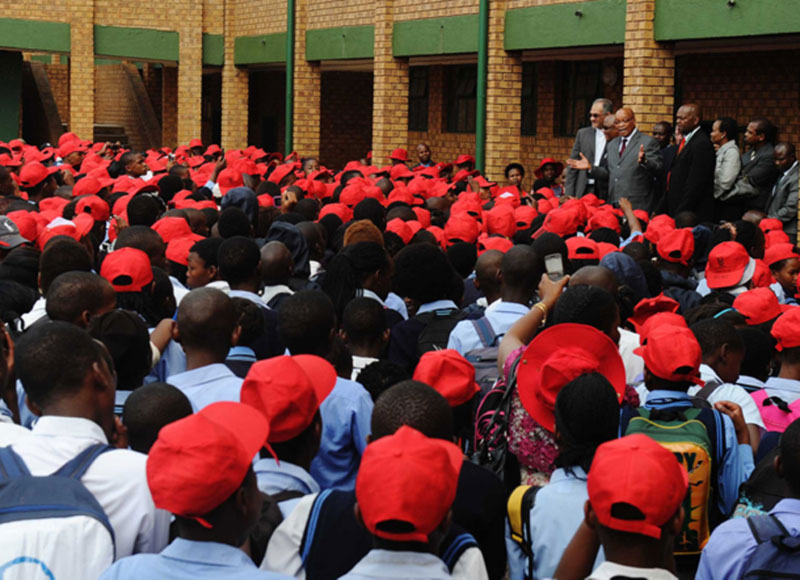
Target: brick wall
x,y
330,13
252,18
345,117
114,104
58,77
169,107
413,9
744,85
445,147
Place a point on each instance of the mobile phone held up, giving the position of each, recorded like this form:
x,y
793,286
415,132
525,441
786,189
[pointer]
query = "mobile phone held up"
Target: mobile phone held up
x,y
554,264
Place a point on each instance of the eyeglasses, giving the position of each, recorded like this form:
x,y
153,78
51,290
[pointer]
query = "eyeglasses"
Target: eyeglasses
x,y
594,115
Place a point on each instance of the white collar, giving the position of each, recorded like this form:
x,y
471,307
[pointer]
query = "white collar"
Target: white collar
x,y
55,426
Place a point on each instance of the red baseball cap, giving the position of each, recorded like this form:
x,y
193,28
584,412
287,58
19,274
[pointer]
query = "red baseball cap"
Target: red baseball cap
x,y
170,228
287,391
26,223
768,224
195,143
786,330
759,306
71,147
128,270
178,248
449,373
34,173
762,276
559,355
729,265
656,321
549,161
606,248
779,252
282,171
407,477
636,471
423,216
95,206
228,179
463,158
525,215
676,246
603,219
498,243
340,210
658,226
562,222
199,461
399,155
672,353
580,248
399,227
401,171
87,186
648,307
482,182
773,237
500,220
462,227
470,203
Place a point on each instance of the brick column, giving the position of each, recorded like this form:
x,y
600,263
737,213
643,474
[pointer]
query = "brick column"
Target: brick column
x,y
390,87
307,89
81,68
190,72
649,87
235,90
169,106
503,97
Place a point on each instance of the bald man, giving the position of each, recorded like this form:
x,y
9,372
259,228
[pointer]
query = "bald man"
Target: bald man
x,y
207,328
690,184
277,267
633,163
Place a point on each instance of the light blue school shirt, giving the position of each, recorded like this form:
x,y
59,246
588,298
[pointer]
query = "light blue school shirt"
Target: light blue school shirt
x,y
208,384
346,413
189,560
501,315
274,478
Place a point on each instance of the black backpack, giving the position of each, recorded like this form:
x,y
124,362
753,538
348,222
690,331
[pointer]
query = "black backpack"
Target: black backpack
x,y
778,552
270,518
438,326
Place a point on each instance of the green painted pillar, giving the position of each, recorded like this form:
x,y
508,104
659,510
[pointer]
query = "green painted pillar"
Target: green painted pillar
x,y
480,105
289,134
10,94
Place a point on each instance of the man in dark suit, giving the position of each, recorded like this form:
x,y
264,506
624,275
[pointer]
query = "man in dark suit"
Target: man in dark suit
x,y
690,183
590,142
757,160
633,160
782,202
662,132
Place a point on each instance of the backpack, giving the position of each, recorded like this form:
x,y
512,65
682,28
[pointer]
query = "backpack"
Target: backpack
x,y
778,552
484,358
776,413
268,521
519,506
438,326
52,526
762,490
696,438
491,425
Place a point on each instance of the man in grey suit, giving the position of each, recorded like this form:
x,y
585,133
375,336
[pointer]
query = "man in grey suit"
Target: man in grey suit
x,y
590,142
757,161
634,159
782,202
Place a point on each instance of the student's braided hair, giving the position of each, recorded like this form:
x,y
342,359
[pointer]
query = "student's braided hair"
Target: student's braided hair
x,y
586,305
587,415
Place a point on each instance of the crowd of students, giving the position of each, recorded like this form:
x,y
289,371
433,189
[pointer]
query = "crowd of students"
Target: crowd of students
x,y
235,365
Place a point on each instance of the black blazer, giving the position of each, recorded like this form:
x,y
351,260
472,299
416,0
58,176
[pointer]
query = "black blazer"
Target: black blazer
x,y
691,180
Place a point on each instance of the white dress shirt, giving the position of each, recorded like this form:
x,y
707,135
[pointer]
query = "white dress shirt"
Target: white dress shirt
x,y
599,149
732,393
379,564
609,570
116,478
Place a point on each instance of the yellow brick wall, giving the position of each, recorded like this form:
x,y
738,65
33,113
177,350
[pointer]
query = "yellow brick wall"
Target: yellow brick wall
x,y
513,4
234,94
330,13
214,16
114,104
58,77
445,147
307,81
253,18
390,108
414,10
169,107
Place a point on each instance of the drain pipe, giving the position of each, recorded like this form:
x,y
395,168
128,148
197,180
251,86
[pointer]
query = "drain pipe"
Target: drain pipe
x,y
480,105
289,121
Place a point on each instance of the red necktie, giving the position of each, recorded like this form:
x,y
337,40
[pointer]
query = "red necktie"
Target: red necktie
x,y
680,147
624,144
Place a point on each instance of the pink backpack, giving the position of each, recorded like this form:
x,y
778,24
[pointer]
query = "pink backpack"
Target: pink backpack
x,y
776,413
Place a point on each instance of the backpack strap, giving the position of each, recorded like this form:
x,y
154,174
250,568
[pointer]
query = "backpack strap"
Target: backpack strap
x,y
77,466
766,527
286,495
460,544
519,507
311,526
708,389
486,333
11,465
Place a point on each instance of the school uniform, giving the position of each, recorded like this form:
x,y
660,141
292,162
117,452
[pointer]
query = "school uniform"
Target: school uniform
x,y
501,316
732,544
786,389
187,559
247,295
346,414
172,362
556,515
37,312
380,564
116,478
240,359
403,349
610,570
729,392
208,384
737,462
634,364
274,478
360,363
178,290
750,384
